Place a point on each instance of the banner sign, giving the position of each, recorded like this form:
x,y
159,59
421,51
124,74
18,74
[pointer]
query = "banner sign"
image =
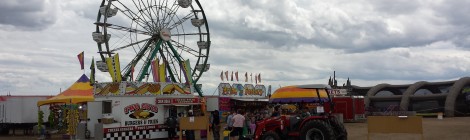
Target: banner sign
x,y
177,101
338,91
224,104
132,128
243,91
140,114
142,89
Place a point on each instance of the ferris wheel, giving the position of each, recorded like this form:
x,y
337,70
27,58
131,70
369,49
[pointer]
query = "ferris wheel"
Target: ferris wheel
x,y
171,33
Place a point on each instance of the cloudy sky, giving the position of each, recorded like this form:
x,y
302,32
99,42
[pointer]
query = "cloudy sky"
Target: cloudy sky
x,y
287,41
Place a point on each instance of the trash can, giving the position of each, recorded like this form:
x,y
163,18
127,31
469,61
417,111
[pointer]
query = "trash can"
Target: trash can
x,y
226,134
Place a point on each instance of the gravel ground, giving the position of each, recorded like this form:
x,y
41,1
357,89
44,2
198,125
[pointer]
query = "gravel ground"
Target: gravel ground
x,y
457,128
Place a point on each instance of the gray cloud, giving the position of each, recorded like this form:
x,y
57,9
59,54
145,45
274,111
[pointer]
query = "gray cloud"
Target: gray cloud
x,y
351,26
288,42
28,15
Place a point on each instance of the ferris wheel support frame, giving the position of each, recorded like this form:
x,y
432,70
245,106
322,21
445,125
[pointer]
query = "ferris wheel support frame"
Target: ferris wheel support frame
x,y
147,62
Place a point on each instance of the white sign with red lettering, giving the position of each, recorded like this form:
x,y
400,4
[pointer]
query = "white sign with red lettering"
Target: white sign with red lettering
x,y
338,92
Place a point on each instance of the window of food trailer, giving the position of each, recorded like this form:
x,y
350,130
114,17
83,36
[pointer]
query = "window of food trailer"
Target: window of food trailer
x,y
175,106
107,107
174,110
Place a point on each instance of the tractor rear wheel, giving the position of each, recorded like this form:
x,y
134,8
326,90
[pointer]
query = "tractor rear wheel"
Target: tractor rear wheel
x,y
317,130
271,135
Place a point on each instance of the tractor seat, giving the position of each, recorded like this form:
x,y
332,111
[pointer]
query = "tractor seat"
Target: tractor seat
x,y
294,122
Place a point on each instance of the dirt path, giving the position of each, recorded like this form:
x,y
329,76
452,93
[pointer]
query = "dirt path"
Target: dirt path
x,y
457,128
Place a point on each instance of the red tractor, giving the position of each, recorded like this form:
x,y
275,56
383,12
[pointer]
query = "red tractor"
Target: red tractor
x,y
317,125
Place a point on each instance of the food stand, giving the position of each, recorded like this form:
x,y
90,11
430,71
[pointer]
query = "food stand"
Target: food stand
x,y
237,96
137,110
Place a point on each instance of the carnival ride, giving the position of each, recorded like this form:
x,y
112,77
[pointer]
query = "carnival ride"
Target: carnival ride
x,y
166,43
167,37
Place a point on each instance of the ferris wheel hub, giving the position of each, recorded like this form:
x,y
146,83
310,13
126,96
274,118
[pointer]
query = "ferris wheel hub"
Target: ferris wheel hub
x,y
165,34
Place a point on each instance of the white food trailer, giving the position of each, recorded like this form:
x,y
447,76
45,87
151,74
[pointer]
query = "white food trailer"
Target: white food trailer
x,y
136,110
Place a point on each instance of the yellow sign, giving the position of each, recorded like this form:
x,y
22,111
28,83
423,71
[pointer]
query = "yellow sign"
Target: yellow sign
x,y
395,124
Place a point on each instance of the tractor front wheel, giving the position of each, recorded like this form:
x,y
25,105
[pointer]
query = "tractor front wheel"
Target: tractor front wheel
x,y
317,130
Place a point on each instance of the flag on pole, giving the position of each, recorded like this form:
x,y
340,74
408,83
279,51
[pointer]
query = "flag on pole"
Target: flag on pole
x,y
155,70
246,76
132,72
114,68
187,71
222,75
256,79
236,76
162,73
231,79
92,71
80,59
226,75
259,77
251,76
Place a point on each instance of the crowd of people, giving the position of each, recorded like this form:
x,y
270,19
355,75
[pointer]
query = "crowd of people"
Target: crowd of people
x,y
245,120
238,122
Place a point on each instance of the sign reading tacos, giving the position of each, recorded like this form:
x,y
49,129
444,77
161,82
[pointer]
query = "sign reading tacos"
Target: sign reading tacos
x,y
239,90
142,113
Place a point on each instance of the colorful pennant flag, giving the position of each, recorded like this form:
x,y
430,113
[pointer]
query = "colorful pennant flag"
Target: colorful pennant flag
x,y
246,76
92,71
114,68
132,72
231,79
187,71
155,70
236,76
168,80
162,72
222,75
81,56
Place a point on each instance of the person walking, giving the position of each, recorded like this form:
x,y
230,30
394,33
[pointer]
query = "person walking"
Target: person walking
x,y
178,118
215,120
238,124
229,120
171,124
